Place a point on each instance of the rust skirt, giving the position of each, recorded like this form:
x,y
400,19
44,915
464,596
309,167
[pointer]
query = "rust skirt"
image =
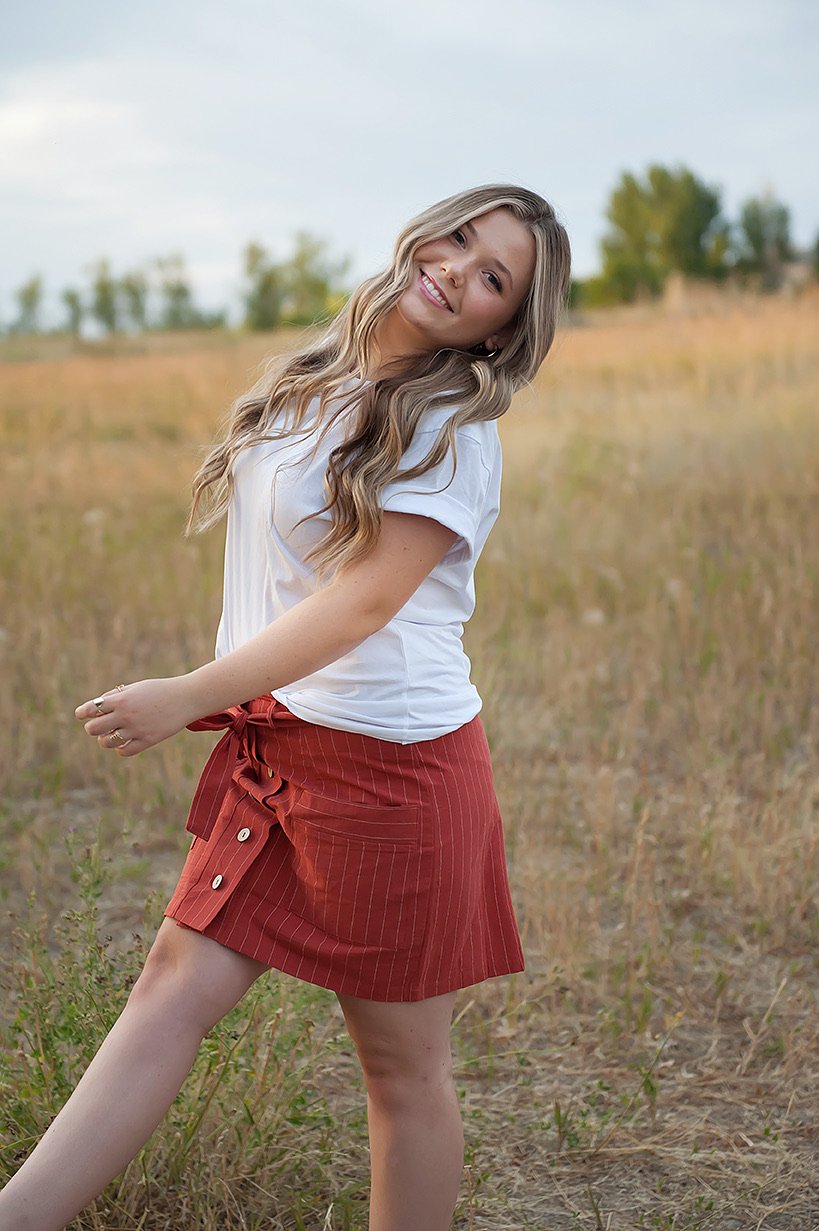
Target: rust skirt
x,y
370,867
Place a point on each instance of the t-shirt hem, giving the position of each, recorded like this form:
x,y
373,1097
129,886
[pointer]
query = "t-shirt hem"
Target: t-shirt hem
x,y
363,728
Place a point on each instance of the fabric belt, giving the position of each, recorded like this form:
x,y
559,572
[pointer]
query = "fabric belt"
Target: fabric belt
x,y
235,753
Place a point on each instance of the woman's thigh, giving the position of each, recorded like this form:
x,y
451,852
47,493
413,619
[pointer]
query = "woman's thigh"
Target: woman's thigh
x,y
203,978
407,1039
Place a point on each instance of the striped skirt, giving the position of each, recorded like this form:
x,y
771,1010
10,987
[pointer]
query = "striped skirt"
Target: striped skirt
x,y
370,867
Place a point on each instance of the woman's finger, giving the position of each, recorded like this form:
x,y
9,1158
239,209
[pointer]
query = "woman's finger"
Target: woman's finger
x,y
101,725
99,705
131,748
115,738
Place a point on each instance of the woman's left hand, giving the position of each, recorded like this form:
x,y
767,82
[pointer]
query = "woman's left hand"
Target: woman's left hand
x,y
143,714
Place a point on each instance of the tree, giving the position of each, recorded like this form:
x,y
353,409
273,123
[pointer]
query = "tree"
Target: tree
x,y
29,300
179,310
104,306
574,295
134,289
764,240
671,221
312,282
263,298
74,310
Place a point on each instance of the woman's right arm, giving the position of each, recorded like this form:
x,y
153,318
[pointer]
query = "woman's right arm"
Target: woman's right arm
x,y
311,635
331,622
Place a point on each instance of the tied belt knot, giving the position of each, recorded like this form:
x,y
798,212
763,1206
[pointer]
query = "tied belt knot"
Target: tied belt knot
x,y
233,757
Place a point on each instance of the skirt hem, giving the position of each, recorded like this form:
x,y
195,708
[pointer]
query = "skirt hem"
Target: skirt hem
x,y
290,963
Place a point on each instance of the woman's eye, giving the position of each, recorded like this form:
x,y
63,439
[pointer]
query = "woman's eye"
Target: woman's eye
x,y
459,236
496,282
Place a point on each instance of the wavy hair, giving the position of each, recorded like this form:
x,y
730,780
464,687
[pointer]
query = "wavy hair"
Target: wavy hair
x,y
386,412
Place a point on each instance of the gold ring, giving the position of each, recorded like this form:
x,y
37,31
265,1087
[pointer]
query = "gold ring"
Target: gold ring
x,y
117,736
98,702
120,688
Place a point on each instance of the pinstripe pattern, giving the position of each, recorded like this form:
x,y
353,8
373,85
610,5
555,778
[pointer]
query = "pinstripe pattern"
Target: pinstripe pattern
x,y
367,866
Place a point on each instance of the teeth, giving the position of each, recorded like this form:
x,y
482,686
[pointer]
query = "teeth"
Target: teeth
x,y
436,294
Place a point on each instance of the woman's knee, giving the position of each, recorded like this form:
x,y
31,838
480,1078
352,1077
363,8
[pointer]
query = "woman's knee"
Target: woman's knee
x,y
191,977
400,1086
404,1051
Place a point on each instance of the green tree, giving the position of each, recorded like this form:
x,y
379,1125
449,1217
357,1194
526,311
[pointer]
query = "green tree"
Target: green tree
x,y
263,297
104,299
178,309
72,301
670,221
313,283
764,240
574,296
29,301
134,289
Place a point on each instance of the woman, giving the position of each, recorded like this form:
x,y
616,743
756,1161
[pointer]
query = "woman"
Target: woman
x,y
346,829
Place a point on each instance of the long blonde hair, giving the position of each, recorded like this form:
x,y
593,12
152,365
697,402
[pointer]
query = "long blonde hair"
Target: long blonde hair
x,y
387,411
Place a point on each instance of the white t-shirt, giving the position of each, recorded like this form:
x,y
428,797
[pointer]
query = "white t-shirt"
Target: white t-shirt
x,y
409,680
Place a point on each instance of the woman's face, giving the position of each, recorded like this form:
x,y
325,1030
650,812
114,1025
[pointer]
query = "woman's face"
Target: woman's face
x,y
467,286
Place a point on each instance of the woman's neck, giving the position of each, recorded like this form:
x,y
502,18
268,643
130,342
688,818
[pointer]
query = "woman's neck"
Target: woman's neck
x,y
395,344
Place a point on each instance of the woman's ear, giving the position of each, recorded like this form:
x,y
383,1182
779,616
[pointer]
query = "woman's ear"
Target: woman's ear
x,y
497,341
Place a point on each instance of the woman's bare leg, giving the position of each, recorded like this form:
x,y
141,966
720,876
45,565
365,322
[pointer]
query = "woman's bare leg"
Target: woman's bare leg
x,y
188,983
416,1137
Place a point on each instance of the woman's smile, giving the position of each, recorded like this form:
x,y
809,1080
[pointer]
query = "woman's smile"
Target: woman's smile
x,y
433,292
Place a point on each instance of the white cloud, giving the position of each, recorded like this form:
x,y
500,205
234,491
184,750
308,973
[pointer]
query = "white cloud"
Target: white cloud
x,y
60,138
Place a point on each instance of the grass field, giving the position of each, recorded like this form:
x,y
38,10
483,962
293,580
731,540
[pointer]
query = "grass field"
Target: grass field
x,y
645,642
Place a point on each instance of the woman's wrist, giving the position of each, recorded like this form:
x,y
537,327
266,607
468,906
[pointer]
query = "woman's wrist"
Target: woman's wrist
x,y
185,698
222,683
199,693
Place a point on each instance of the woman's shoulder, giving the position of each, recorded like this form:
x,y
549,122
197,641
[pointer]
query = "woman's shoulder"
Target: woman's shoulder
x,y
483,433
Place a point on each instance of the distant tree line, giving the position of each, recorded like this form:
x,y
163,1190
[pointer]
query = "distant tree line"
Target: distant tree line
x,y
670,221
308,287
304,288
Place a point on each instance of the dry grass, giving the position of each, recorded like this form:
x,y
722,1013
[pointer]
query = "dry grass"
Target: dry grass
x,y
645,643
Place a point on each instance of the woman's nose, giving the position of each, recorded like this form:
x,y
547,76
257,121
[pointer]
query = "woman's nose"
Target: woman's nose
x,y
451,271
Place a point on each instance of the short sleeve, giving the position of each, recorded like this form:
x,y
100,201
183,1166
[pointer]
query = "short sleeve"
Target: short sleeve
x,y
460,503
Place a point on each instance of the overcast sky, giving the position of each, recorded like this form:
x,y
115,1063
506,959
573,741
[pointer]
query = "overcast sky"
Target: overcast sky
x,y
138,130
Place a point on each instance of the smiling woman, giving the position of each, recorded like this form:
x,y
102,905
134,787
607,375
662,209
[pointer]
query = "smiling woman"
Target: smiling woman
x,y
464,275
345,829
501,259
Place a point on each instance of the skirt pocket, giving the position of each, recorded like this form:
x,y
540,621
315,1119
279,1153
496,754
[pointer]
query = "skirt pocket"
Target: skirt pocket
x,y
362,872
